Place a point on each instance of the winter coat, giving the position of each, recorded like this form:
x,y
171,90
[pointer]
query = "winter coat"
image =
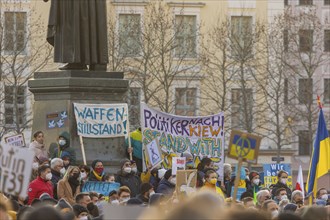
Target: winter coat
x,y
38,149
38,187
279,185
64,191
132,181
165,187
56,176
65,149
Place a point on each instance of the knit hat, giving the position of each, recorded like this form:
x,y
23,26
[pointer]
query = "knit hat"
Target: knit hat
x,y
78,209
145,187
123,162
168,174
95,162
253,174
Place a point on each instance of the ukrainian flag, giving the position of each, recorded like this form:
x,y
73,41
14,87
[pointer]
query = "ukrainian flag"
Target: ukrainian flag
x,y
320,160
246,145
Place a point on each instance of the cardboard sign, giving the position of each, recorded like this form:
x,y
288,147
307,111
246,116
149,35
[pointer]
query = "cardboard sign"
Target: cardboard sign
x,y
16,140
153,153
101,120
178,163
270,173
100,187
240,191
56,119
186,182
202,136
244,145
16,167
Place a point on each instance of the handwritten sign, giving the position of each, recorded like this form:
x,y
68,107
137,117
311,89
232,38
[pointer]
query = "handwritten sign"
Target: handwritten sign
x,y
154,153
178,163
100,187
270,173
15,140
15,169
201,136
101,120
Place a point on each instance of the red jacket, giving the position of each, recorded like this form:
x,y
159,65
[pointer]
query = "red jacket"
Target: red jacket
x,y
38,187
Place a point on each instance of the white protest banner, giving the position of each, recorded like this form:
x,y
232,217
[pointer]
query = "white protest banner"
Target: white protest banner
x,y
15,172
15,140
202,136
101,120
178,163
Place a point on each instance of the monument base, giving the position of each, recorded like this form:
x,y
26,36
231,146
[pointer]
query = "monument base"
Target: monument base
x,y
54,95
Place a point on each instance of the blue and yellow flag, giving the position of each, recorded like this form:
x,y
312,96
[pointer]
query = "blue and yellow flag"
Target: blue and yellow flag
x,y
320,160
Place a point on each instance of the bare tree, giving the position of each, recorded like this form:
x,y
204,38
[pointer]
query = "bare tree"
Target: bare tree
x,y
21,55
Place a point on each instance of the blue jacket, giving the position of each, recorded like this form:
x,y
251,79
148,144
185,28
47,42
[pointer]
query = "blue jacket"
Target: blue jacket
x,y
165,187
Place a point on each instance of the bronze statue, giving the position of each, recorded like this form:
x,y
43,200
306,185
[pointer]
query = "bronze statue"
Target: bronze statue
x,y
77,29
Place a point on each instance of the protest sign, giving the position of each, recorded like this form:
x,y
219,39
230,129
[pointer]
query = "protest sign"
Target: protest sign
x,y
154,153
201,136
178,163
15,170
270,173
100,187
56,119
15,140
240,191
244,145
101,120
186,182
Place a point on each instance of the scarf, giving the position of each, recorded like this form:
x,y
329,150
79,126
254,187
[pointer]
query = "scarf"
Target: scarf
x,y
98,177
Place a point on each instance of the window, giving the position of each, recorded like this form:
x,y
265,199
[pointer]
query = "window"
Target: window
x,y
185,101
304,142
241,35
326,2
10,102
238,111
129,35
185,36
327,40
286,91
305,40
15,31
134,100
305,91
326,95
286,40
305,2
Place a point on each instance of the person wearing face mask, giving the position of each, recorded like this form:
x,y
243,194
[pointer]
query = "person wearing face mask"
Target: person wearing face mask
x,y
65,148
298,198
80,212
97,173
322,197
125,177
280,195
58,172
84,172
211,179
113,197
146,191
69,186
282,177
124,194
271,207
253,182
134,169
41,185
167,184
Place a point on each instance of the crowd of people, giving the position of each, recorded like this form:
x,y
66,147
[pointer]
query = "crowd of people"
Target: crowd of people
x,y
56,191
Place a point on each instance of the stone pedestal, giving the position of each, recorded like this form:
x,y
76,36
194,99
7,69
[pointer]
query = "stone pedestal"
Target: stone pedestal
x,y
55,92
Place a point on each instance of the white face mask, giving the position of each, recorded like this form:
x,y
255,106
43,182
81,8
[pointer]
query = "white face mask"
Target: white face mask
x,y
62,171
125,199
115,202
35,165
61,142
49,176
83,175
134,170
83,218
283,181
151,193
127,170
324,197
284,197
247,177
274,213
256,182
173,180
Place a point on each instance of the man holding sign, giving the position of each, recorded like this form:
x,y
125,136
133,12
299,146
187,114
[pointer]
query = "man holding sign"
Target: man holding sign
x,y
136,147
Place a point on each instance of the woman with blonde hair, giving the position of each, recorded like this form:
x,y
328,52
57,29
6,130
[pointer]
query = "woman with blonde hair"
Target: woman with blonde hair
x,y
69,186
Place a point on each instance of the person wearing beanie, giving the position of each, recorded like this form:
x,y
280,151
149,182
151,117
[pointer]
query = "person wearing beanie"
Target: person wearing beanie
x,y
80,212
65,148
125,177
41,185
97,172
253,183
63,206
146,191
69,186
167,184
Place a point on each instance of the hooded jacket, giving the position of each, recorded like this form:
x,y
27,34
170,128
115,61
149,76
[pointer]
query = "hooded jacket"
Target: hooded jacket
x,y
65,149
165,187
132,181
